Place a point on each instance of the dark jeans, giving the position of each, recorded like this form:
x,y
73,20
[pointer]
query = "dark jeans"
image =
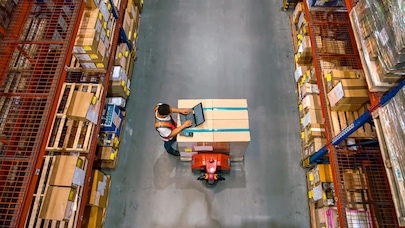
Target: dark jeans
x,y
168,145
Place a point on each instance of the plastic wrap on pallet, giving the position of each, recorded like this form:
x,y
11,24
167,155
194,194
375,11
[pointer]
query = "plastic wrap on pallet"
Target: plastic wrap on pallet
x,y
392,118
382,30
327,3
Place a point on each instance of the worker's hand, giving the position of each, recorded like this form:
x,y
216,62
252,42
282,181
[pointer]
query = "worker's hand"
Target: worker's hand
x,y
187,123
185,111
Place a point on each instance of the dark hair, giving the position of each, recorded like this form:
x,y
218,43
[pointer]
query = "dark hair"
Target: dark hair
x,y
164,109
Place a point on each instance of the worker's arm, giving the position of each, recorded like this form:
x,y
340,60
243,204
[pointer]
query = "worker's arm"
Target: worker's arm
x,y
183,111
176,131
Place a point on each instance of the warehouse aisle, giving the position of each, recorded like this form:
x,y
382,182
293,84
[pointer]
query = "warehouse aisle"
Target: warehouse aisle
x,y
212,49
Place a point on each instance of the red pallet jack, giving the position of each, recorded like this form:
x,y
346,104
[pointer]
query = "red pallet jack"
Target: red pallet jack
x,y
211,166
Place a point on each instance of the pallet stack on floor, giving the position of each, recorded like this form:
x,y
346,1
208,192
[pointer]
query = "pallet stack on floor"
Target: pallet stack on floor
x,y
88,103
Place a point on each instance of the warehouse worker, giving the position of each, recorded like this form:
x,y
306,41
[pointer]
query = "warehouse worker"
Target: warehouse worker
x,y
166,126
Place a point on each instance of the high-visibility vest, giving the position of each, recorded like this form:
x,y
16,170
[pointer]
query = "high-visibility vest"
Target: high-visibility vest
x,y
171,124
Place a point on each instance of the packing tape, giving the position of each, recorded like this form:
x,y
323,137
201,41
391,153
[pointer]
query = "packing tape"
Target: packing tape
x,y
217,130
225,109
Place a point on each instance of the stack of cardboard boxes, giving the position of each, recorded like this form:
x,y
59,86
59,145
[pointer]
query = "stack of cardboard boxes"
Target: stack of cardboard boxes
x,y
94,214
94,39
225,130
64,190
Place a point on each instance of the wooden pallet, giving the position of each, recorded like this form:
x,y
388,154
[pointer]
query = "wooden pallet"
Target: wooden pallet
x,y
33,219
69,135
340,120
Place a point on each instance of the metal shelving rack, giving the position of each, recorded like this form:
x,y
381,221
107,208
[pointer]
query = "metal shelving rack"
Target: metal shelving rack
x,y
376,196
33,69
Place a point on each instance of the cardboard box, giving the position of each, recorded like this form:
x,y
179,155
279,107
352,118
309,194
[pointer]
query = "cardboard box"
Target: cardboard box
x,y
323,173
314,145
119,101
226,128
313,116
314,130
308,88
323,195
334,76
333,46
99,189
348,92
311,101
229,109
301,21
354,180
356,200
297,12
58,203
68,171
112,119
79,105
93,217
119,75
300,72
118,89
108,153
326,217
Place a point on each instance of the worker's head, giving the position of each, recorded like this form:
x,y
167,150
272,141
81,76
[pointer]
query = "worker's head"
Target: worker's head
x,y
164,110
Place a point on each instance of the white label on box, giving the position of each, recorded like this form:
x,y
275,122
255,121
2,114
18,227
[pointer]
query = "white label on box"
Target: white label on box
x,y
96,198
203,148
306,120
78,49
317,191
88,65
300,48
336,94
316,175
129,84
78,177
92,113
98,25
116,73
103,35
101,187
83,57
298,74
104,11
101,48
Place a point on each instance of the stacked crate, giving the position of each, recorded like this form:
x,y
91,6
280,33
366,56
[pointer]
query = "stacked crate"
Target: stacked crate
x,y
93,43
119,89
311,119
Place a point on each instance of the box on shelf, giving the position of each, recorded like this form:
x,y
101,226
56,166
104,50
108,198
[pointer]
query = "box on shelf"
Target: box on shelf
x,y
308,88
313,116
119,101
119,74
118,89
323,194
313,146
112,119
301,71
323,173
58,203
349,91
99,189
297,12
93,217
68,171
226,128
84,107
327,217
333,46
356,200
311,101
122,55
354,180
107,152
334,76
301,21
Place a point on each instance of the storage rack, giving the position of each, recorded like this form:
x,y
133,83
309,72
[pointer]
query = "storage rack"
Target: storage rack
x,y
34,67
366,158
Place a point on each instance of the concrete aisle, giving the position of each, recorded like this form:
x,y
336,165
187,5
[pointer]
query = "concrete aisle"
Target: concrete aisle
x,y
212,49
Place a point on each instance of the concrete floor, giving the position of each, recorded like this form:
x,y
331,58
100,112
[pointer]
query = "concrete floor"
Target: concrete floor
x,y
212,49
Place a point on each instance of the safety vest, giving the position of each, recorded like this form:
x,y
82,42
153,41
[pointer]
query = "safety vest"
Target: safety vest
x,y
171,124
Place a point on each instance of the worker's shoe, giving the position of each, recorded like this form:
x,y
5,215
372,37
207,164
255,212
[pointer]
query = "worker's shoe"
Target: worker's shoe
x,y
174,153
